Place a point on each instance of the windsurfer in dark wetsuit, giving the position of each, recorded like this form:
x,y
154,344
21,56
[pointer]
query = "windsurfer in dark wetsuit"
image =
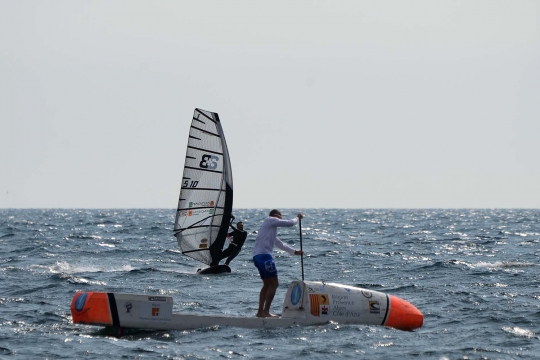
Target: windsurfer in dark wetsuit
x,y
238,236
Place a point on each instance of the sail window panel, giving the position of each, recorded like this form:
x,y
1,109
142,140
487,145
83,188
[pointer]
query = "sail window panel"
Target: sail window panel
x,y
198,181
189,218
200,237
206,118
194,240
197,132
203,140
200,200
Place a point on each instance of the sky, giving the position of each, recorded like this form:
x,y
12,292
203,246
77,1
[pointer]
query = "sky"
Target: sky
x,y
324,104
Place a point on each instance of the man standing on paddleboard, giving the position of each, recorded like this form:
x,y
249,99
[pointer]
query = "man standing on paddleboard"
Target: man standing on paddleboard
x,y
262,257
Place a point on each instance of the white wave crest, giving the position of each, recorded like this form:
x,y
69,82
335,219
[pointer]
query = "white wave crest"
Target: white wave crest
x,y
519,331
67,268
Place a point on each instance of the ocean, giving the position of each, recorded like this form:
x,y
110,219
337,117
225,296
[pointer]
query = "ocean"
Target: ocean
x,y
473,273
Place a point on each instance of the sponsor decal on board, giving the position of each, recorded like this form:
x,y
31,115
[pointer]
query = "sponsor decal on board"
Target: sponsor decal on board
x,y
374,307
128,307
344,306
367,294
81,300
296,294
317,302
320,288
157,298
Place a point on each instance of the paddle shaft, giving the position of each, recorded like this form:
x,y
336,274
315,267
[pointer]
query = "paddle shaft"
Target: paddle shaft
x,y
301,249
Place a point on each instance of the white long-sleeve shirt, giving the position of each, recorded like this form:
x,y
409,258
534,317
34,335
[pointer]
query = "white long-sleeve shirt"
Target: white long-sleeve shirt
x,y
267,236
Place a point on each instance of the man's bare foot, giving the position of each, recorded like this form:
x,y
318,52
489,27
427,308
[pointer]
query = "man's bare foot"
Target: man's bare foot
x,y
265,315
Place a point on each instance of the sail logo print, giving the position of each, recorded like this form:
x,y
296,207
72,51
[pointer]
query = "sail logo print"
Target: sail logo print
x,y
201,203
192,184
201,211
209,162
203,244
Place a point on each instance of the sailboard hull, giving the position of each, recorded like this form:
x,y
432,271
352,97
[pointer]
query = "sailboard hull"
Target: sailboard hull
x,y
306,303
218,269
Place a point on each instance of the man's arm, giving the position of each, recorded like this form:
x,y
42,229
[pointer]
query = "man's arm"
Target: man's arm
x,y
280,244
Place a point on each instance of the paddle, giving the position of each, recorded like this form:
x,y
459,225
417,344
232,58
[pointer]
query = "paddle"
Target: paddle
x,y
301,256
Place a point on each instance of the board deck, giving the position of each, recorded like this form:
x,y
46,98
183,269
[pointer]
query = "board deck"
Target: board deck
x,y
306,303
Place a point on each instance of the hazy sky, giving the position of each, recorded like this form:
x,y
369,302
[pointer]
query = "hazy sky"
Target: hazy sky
x,y
356,104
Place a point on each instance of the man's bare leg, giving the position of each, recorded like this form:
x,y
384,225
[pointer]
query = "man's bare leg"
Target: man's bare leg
x,y
262,297
266,296
272,285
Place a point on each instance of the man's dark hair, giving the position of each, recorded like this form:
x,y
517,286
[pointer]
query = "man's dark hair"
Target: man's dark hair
x,y
275,212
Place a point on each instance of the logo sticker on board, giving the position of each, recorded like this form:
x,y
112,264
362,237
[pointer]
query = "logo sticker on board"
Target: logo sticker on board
x,y
374,307
81,300
296,294
317,303
324,310
128,307
157,298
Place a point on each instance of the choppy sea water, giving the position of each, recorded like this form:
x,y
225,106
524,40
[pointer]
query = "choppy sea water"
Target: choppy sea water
x,y
473,273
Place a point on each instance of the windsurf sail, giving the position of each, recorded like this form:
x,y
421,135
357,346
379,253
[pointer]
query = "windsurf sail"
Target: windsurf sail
x,y
206,194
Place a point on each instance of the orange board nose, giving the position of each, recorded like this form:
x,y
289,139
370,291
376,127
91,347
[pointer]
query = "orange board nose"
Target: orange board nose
x,y
403,315
91,308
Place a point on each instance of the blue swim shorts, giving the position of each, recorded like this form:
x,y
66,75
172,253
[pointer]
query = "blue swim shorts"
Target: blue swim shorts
x,y
266,265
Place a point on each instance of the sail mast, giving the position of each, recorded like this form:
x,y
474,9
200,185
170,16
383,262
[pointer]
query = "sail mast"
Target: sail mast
x,y
217,246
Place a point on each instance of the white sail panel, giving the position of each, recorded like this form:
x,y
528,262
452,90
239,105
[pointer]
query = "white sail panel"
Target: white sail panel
x,y
205,204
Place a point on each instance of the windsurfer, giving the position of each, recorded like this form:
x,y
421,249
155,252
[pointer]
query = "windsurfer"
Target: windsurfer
x,y
237,238
262,257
